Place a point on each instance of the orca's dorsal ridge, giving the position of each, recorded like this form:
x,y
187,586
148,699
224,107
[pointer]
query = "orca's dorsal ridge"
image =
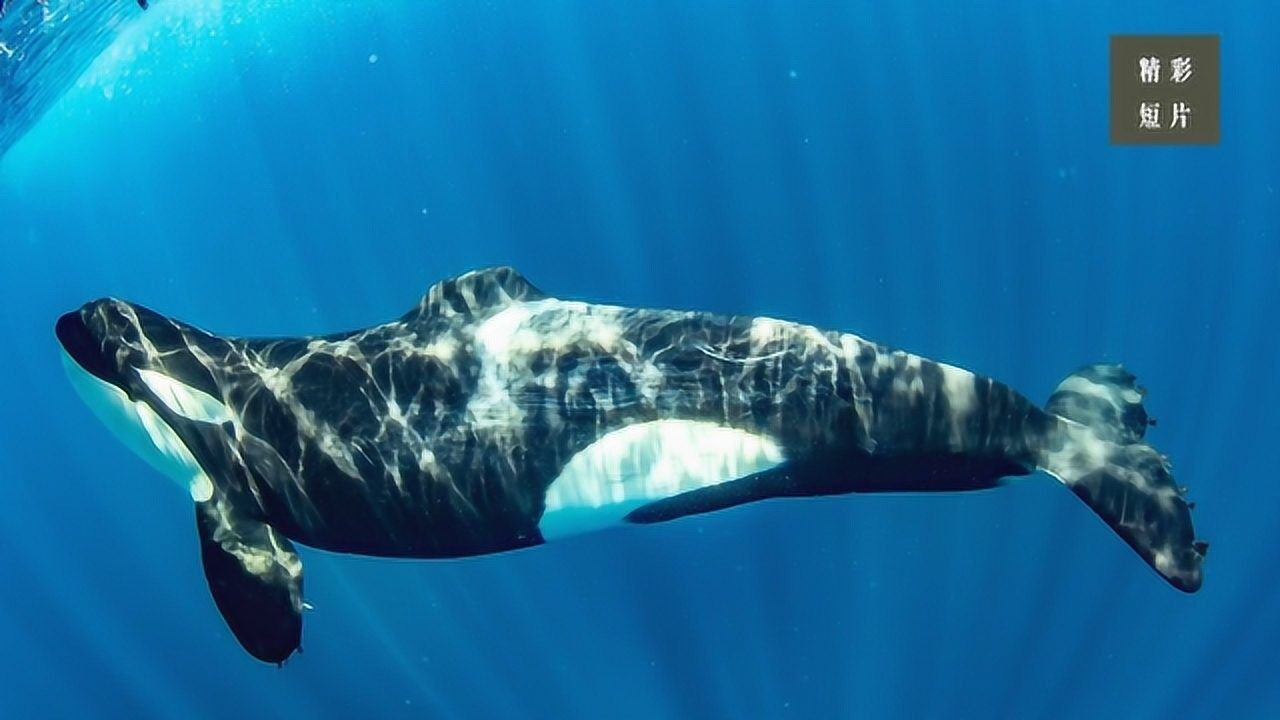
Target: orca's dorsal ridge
x,y
475,294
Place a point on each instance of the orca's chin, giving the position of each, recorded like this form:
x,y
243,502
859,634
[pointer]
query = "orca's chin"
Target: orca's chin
x,y
141,429
81,346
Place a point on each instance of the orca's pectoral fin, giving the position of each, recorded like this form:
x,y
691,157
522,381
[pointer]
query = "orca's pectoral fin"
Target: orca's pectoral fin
x,y
255,577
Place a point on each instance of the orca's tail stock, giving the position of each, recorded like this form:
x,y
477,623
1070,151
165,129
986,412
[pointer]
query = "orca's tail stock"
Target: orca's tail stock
x,y
1097,449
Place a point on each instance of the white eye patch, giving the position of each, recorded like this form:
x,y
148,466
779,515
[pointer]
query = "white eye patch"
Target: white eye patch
x,y
189,402
144,432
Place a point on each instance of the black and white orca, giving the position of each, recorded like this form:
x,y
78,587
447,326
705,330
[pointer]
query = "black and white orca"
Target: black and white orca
x,y
493,417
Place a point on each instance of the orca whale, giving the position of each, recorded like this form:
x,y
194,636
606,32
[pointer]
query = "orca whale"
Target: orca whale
x,y
493,417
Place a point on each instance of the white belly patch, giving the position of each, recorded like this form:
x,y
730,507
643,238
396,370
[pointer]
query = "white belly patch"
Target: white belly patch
x,y
641,463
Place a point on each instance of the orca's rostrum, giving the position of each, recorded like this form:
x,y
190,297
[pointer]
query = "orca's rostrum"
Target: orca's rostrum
x,y
493,417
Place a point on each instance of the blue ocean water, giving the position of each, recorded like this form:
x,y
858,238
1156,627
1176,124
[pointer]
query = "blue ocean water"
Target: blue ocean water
x,y
931,176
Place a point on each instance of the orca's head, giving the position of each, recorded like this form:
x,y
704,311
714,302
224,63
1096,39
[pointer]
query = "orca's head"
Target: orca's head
x,y
141,375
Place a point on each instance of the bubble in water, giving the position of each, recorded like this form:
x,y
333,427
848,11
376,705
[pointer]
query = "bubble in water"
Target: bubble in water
x,y
373,58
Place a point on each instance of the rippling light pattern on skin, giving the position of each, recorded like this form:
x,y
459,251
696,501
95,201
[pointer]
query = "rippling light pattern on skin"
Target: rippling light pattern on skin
x,y
493,417
141,430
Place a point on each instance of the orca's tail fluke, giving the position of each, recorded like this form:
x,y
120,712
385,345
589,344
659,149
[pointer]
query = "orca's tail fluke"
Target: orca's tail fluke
x,y
1096,448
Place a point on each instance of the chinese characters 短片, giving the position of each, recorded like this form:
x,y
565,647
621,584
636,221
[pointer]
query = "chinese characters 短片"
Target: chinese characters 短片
x,y
1149,116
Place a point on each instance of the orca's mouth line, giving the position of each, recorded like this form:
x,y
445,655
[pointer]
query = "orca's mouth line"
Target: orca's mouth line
x,y
80,344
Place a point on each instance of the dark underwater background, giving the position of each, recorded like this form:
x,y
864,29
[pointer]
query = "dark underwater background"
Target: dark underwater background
x,y
934,176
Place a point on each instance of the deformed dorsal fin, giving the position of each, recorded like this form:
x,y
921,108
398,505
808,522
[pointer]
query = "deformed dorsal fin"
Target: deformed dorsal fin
x,y
480,292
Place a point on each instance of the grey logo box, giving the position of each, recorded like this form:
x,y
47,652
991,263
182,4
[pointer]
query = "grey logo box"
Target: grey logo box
x,y
1165,89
